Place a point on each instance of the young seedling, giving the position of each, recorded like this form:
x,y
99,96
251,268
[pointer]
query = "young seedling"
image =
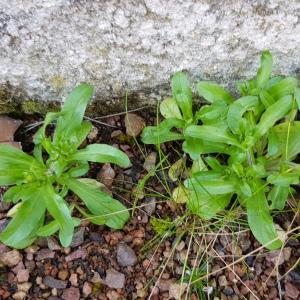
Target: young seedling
x,y
39,183
242,149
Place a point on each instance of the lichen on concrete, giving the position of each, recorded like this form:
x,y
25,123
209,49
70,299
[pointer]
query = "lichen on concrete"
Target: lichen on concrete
x,y
49,46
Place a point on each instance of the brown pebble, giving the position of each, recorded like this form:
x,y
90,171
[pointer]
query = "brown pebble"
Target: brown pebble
x,y
19,295
291,290
54,283
24,287
86,289
71,294
44,254
74,279
63,274
11,258
23,275
80,253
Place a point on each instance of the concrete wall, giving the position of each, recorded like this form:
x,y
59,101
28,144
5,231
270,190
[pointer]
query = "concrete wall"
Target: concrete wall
x,y
48,46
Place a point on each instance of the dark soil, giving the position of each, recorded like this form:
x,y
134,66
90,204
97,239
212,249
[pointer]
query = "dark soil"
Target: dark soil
x,y
108,264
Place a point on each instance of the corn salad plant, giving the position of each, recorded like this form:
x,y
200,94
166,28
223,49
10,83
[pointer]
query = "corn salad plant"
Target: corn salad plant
x,y
245,149
39,183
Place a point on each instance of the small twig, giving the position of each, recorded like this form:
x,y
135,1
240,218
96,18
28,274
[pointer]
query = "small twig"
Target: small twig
x,y
99,122
232,270
124,112
36,124
244,257
33,125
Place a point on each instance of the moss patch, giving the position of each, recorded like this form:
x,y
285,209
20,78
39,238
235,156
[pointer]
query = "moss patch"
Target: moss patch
x,y
32,106
14,102
7,104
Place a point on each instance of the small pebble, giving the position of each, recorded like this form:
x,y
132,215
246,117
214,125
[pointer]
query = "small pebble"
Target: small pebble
x,y
10,258
19,295
44,254
86,289
228,291
115,279
55,283
71,294
22,275
125,255
222,281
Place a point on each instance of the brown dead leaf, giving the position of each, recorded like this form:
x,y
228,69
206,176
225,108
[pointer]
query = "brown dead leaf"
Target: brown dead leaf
x,y
134,124
150,161
107,175
8,127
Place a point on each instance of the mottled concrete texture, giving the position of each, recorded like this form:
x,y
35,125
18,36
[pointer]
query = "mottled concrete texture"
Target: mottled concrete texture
x,y
48,46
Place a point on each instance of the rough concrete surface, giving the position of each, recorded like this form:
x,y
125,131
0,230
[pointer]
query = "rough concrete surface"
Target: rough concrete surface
x,y
49,46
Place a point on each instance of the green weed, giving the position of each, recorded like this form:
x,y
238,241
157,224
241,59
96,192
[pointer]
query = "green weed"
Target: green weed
x,y
41,182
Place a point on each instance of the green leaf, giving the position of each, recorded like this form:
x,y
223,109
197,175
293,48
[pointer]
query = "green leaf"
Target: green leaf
x,y
157,135
198,165
48,229
79,170
25,242
274,80
297,97
98,220
273,143
211,134
266,99
72,113
283,179
162,133
101,153
40,134
278,196
210,183
52,227
206,206
12,176
13,157
272,114
213,92
213,113
260,220
218,187
19,192
93,183
207,175
244,189
100,204
286,139
26,220
193,147
17,166
170,109
183,94
180,194
81,133
59,210
28,240
265,69
237,109
283,88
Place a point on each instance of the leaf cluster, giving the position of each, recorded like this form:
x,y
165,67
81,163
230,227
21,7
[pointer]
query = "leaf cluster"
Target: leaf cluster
x,y
40,183
243,150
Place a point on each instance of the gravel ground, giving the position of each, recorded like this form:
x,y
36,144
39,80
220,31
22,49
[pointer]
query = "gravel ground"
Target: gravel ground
x,y
107,264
